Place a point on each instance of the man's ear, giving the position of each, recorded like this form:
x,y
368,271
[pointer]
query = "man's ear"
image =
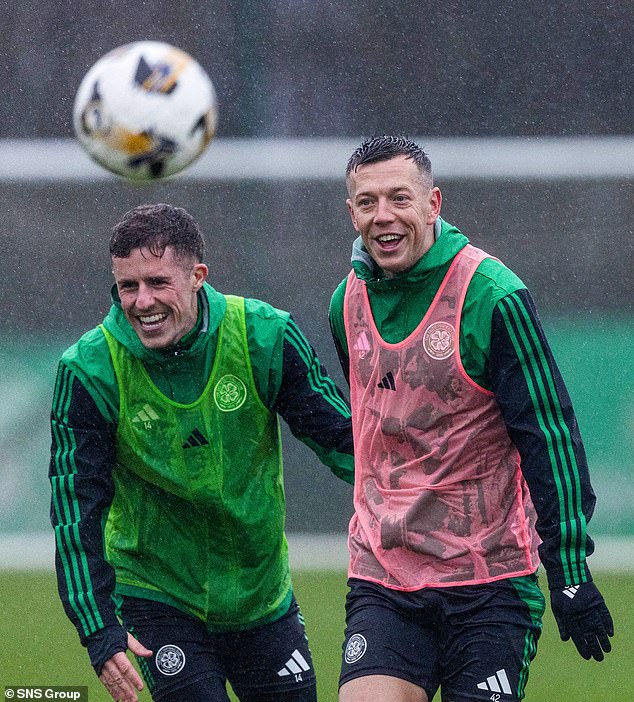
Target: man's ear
x,y
352,215
435,199
200,274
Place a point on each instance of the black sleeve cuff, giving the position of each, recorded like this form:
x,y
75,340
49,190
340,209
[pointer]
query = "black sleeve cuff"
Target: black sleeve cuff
x,y
103,644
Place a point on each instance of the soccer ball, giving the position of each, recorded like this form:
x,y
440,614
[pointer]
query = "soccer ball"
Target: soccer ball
x,y
145,110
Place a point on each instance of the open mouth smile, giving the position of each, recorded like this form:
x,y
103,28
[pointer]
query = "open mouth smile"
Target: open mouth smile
x,y
389,241
151,322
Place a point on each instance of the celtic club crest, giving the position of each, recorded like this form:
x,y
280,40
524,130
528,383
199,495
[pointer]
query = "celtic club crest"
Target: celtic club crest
x,y
170,659
439,340
230,393
355,648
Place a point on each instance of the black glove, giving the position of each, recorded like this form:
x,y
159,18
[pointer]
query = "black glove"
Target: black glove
x,y
582,615
103,644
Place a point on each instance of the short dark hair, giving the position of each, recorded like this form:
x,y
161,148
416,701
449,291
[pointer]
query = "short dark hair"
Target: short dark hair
x,y
385,147
155,227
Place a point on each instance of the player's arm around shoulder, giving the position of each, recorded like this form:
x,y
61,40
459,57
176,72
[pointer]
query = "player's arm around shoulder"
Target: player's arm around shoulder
x,y
300,390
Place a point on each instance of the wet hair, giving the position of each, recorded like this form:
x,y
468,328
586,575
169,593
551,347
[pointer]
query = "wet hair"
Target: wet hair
x,y
155,227
384,148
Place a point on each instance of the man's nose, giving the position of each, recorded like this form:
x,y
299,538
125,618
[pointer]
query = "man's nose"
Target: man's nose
x,y
145,297
383,211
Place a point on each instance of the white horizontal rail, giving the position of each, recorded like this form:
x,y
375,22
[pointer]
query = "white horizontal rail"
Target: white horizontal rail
x,y
544,158
35,551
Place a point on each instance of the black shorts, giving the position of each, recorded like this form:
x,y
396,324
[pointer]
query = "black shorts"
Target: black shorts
x,y
265,664
474,642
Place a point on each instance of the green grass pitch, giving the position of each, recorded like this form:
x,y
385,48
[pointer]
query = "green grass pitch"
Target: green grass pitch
x,y
40,647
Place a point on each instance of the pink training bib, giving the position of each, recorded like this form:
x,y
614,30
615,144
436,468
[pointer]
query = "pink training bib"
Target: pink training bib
x,y
439,496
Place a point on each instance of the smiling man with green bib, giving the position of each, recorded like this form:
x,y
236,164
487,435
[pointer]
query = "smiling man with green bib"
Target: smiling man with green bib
x,y
166,473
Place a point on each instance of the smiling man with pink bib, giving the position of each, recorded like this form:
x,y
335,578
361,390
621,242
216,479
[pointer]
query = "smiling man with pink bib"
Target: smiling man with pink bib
x,y
469,466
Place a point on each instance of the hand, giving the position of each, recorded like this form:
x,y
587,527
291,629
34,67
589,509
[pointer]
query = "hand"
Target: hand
x,y
582,615
119,675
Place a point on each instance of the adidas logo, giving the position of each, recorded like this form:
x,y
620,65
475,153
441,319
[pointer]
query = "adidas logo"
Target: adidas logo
x,y
362,345
295,665
387,382
570,591
196,438
145,416
496,683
